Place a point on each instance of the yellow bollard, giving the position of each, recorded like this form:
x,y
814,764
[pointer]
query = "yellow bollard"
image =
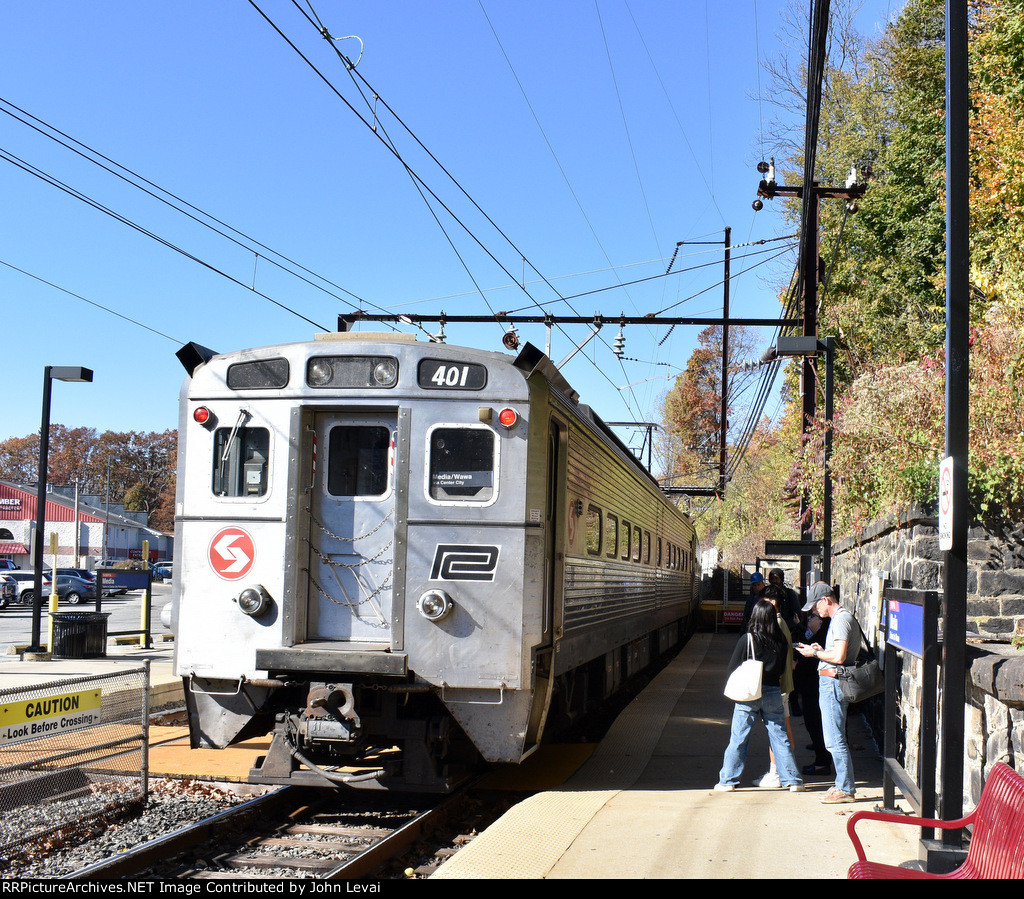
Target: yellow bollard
x,y
145,595
53,589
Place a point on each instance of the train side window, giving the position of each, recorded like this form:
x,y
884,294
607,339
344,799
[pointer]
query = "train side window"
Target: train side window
x,y
612,536
624,536
647,547
659,552
357,460
240,457
463,464
593,530
637,543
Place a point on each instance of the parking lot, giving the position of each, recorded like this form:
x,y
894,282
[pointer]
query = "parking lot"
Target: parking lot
x,y
125,615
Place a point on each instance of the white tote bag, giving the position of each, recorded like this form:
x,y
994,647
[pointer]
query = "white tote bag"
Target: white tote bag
x,y
744,684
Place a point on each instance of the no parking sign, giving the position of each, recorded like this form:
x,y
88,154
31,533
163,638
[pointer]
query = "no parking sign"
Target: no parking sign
x,y
946,504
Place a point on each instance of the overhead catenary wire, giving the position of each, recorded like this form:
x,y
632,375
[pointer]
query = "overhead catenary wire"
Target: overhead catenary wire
x,y
95,204
172,200
77,296
386,140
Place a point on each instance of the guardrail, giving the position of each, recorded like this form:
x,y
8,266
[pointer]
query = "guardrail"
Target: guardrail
x,y
72,750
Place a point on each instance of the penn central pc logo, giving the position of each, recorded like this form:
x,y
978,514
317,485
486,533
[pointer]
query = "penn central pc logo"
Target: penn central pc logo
x,y
464,562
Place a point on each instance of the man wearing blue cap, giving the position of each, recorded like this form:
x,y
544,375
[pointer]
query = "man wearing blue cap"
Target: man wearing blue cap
x,y
756,589
841,643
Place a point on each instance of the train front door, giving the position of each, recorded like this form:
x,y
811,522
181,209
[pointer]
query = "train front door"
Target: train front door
x,y
352,529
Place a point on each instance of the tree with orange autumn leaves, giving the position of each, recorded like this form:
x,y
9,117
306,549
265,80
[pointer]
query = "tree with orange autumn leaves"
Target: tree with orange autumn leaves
x,y
132,467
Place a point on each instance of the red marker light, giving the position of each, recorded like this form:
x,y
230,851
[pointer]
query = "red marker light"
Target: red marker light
x,y
508,417
202,415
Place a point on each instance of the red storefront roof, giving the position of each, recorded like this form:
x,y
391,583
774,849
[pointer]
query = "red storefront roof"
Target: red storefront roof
x,y
13,549
18,504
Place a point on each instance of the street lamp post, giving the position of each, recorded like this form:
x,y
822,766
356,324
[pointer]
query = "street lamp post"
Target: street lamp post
x,y
50,374
808,347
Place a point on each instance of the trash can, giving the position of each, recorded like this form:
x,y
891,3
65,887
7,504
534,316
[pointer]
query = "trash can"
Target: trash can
x,y
79,635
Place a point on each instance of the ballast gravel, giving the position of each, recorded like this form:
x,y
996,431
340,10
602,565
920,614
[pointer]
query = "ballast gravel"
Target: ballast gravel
x,y
170,806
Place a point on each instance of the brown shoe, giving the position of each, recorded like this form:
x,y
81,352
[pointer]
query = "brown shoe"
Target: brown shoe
x,y
835,796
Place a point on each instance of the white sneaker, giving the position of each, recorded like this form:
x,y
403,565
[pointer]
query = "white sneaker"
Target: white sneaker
x,y
769,781
725,788
797,788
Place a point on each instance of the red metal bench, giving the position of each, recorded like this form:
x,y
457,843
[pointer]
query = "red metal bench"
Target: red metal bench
x,y
996,848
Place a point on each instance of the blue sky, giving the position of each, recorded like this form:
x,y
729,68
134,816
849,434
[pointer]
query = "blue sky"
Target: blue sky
x,y
594,135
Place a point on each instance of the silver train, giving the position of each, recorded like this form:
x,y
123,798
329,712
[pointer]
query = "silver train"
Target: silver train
x,y
403,558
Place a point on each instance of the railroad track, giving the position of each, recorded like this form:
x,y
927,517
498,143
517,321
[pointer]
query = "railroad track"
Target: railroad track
x,y
291,832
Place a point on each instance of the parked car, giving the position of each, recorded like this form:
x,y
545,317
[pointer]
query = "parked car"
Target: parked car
x,y
26,587
8,591
166,570
83,573
74,589
8,565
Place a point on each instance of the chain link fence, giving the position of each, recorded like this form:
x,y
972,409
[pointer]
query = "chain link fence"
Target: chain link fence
x,y
70,751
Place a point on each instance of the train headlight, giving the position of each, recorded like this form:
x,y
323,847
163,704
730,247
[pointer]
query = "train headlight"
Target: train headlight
x,y
385,373
320,372
254,601
434,605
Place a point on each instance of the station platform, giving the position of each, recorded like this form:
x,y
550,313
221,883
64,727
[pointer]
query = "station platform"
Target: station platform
x,y
639,805
21,669
642,806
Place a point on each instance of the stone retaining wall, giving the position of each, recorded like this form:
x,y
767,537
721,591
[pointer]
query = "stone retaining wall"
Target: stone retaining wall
x,y
905,552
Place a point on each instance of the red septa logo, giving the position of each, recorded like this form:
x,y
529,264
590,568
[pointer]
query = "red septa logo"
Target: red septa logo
x,y
232,553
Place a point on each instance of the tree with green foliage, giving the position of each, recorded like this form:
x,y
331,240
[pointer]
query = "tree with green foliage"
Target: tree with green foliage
x,y
883,290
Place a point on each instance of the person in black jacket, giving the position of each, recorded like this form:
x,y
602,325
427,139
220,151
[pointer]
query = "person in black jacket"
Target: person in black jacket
x,y
770,647
805,679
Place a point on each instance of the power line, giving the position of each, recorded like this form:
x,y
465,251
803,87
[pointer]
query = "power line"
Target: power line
x,y
90,302
95,204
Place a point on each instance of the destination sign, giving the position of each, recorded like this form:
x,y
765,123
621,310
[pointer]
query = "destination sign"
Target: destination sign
x,y
440,374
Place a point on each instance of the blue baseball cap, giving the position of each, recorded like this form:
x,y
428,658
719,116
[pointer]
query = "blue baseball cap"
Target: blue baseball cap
x,y
757,578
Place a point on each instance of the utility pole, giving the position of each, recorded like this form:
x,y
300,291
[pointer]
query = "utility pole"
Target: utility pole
x,y
810,275
724,417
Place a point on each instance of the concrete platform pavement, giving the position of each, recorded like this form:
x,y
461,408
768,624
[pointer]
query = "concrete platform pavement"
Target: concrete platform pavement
x,y
18,669
642,806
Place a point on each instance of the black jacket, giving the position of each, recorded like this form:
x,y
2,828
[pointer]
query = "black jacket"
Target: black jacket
x,y
773,655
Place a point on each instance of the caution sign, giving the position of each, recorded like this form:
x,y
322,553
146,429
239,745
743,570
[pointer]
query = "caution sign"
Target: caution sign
x,y
30,719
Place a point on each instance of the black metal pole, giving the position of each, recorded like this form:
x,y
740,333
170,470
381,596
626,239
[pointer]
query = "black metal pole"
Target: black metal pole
x,y
826,514
724,422
37,542
807,365
954,574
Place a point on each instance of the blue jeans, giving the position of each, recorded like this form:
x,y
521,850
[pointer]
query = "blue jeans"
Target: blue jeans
x,y
833,725
769,708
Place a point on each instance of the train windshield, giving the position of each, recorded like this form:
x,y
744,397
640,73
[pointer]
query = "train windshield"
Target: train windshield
x,y
462,464
357,460
240,461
